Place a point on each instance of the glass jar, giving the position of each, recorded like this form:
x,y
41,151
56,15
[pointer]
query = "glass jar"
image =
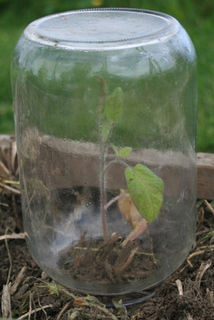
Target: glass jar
x,y
105,116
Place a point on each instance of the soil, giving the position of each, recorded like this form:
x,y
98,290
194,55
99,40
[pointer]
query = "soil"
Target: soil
x,y
111,261
28,293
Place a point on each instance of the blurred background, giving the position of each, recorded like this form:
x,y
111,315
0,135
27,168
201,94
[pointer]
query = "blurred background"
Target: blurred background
x,y
196,16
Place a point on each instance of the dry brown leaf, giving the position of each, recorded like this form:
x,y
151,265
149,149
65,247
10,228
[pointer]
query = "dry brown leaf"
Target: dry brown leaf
x,y
8,157
129,211
18,280
5,302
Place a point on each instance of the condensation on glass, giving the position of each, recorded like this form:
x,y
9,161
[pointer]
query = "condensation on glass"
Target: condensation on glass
x,y
97,93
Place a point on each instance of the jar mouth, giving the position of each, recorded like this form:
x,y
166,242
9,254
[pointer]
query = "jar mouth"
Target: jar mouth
x,y
102,28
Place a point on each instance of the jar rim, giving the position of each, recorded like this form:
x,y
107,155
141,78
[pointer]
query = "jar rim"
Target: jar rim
x,y
102,28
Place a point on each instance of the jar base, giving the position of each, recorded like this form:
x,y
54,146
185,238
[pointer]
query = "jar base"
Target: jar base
x,y
127,300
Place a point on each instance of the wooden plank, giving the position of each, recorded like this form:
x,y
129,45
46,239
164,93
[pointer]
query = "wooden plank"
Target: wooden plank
x,y
67,164
205,170
205,176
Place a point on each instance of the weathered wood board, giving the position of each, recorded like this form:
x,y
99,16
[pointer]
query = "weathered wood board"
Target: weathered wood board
x,y
205,170
205,176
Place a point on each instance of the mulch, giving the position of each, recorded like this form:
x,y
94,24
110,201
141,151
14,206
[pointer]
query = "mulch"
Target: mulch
x,y
28,293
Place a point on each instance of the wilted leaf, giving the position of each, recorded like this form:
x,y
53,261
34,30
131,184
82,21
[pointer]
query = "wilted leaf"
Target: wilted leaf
x,y
125,152
146,191
114,105
139,228
80,302
129,210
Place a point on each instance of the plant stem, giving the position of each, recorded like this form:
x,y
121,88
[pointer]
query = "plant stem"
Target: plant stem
x,y
103,194
115,199
141,227
117,160
102,151
109,165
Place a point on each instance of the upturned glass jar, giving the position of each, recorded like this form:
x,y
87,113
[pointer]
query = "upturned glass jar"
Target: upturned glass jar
x,y
105,115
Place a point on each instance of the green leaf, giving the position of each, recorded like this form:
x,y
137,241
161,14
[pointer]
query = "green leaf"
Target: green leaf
x,y
106,128
146,191
114,105
125,152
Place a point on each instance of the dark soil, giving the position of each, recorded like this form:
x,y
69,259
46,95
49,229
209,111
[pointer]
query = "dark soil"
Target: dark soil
x,y
109,262
28,293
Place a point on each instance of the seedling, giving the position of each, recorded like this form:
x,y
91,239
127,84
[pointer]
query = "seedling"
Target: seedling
x,y
141,202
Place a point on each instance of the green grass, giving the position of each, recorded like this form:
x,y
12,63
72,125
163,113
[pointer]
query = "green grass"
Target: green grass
x,y
195,16
204,43
6,118
9,34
